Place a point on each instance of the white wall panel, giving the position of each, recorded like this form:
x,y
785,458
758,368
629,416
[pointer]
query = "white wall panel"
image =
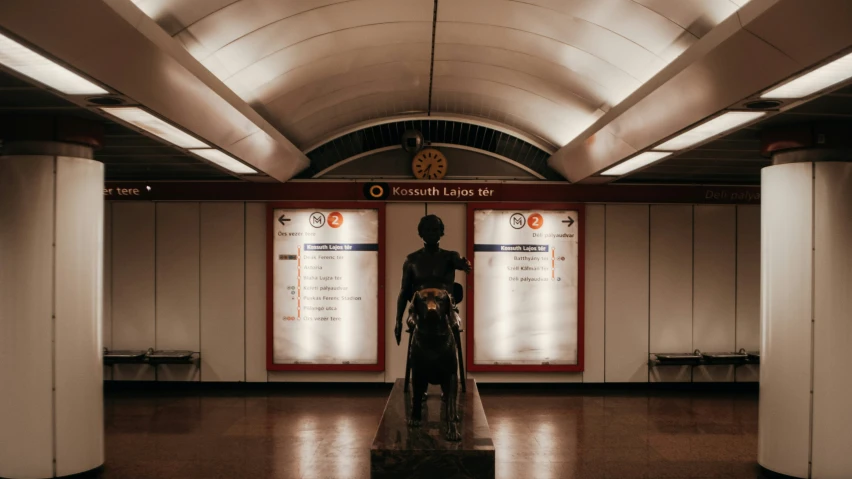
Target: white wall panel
x,y
256,292
133,292
832,415
107,296
627,290
222,292
401,239
748,287
715,291
785,369
26,303
78,356
595,305
178,292
671,287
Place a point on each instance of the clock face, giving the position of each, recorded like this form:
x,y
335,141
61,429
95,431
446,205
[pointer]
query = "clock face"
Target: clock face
x,y
429,164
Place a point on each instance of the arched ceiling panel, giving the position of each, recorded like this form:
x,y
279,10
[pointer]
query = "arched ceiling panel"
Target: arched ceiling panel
x,y
555,74
224,25
607,45
560,97
173,16
388,77
695,16
321,70
289,31
374,103
615,84
515,107
626,18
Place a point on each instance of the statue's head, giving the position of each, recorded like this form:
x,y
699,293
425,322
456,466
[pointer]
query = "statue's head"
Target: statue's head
x,y
431,228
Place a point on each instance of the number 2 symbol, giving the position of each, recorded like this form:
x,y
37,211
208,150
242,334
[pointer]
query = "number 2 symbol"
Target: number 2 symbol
x,y
335,219
535,221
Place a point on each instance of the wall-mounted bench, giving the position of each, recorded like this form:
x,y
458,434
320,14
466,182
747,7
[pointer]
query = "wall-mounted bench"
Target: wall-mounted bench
x,y
151,357
697,358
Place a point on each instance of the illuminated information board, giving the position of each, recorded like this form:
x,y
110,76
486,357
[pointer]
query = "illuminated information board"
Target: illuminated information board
x,y
527,283
325,285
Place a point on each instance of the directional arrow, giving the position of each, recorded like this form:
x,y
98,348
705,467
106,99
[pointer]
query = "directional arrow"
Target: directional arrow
x,y
283,220
570,221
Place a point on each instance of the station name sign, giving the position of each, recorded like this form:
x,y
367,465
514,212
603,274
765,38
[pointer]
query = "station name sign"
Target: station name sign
x,y
409,191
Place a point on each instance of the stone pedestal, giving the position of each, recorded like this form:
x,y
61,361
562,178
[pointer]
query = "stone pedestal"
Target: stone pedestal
x,y
400,451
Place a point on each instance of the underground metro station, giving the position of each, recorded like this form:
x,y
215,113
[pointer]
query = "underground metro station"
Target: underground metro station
x,y
578,239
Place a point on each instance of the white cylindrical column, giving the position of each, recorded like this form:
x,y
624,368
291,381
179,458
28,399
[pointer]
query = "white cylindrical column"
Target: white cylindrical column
x,y
51,287
805,417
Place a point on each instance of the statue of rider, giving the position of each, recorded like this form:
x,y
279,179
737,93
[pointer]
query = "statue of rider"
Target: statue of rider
x,y
428,267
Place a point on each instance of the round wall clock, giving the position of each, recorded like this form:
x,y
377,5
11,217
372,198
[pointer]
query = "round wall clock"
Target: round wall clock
x,y
429,164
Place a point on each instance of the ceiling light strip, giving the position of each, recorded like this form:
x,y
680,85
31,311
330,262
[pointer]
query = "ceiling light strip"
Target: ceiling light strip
x,y
21,59
155,126
721,124
224,160
815,80
639,161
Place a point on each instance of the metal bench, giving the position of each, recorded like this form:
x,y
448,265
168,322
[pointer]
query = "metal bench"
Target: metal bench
x,y
124,357
151,357
676,359
697,358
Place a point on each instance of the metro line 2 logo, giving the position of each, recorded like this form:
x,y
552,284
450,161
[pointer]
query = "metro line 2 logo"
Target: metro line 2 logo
x,y
318,220
534,221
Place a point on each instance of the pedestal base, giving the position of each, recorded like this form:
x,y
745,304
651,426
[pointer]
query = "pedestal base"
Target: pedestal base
x,y
422,452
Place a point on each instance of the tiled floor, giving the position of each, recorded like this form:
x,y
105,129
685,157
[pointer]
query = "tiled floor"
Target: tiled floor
x,y
327,434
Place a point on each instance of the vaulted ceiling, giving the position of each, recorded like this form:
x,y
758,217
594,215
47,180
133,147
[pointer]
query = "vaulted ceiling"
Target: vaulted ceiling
x,y
547,67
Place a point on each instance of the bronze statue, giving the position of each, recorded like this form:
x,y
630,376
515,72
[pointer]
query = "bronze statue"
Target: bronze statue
x,y
434,349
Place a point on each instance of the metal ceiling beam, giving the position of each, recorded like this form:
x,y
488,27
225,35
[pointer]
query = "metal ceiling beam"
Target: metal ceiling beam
x,y
766,42
117,45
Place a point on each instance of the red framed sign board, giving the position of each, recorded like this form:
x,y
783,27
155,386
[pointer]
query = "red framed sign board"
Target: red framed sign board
x,y
525,295
325,287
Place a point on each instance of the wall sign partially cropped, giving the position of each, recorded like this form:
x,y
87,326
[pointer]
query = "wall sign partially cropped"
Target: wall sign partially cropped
x,y
324,278
526,309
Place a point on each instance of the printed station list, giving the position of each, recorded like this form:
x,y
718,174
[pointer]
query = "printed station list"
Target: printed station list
x,y
323,289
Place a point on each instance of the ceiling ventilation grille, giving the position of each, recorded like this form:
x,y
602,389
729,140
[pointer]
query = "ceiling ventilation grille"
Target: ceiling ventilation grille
x,y
434,131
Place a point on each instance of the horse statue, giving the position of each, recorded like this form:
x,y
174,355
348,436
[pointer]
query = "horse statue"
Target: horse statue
x,y
433,347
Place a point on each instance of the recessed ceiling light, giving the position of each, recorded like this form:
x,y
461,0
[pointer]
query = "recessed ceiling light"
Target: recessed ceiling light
x,y
105,101
716,126
762,104
815,80
29,63
224,160
639,161
155,126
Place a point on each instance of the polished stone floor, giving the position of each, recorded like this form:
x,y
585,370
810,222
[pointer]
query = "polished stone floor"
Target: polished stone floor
x,y
326,433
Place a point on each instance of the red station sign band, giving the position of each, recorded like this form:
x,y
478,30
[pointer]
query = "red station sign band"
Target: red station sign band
x,y
427,191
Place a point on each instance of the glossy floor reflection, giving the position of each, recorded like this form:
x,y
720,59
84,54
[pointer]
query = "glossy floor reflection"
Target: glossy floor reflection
x,y
327,434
